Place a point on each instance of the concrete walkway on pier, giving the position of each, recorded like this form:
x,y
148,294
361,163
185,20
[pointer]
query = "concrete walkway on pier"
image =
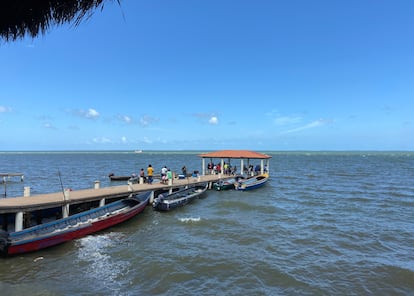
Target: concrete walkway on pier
x,y
44,201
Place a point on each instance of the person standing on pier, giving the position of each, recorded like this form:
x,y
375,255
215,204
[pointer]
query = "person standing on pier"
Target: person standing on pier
x,y
169,176
142,175
164,174
150,172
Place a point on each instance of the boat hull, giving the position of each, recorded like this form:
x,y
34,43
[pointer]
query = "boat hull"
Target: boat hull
x,y
178,199
223,186
226,184
252,183
74,227
119,178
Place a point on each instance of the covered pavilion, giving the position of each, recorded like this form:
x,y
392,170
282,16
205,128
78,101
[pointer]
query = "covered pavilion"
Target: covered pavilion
x,y
244,155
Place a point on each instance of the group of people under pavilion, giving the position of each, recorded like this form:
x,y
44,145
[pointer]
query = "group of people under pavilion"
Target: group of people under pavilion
x,y
245,157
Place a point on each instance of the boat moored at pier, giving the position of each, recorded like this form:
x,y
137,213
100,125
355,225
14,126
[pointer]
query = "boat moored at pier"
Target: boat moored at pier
x,y
62,230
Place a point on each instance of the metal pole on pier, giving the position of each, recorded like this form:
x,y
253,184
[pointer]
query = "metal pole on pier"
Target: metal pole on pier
x,y
5,187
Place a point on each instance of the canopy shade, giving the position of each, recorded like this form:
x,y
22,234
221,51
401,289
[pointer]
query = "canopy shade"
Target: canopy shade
x,y
235,154
34,17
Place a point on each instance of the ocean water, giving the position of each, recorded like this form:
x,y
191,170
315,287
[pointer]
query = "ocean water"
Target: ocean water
x,y
327,223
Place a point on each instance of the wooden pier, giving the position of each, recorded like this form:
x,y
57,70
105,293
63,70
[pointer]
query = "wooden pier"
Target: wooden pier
x,y
50,200
23,208
5,176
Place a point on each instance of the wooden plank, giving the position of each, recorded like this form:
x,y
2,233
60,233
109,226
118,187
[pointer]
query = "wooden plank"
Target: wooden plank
x,y
44,201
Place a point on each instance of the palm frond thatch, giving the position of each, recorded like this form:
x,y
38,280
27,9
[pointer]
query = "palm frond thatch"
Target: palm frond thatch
x,y
34,17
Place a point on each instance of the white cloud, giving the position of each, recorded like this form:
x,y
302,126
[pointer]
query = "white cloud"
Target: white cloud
x,y
146,140
101,140
126,118
286,120
313,124
124,139
92,113
213,120
4,109
147,120
48,125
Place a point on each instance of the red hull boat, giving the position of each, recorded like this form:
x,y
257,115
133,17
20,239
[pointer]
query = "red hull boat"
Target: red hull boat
x,y
56,232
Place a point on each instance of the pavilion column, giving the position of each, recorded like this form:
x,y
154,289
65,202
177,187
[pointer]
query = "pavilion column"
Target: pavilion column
x,y
241,167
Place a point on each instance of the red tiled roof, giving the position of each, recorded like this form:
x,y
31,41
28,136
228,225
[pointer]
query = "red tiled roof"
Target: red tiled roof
x,y
235,154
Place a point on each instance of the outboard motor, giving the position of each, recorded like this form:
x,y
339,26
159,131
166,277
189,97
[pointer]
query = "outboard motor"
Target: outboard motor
x,y
4,241
157,200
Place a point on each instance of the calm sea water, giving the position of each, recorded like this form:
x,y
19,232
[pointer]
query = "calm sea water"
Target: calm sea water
x,y
325,224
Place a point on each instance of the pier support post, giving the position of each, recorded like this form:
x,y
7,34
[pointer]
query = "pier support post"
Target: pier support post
x,y
18,224
65,211
67,194
130,189
151,197
97,184
102,202
26,191
65,207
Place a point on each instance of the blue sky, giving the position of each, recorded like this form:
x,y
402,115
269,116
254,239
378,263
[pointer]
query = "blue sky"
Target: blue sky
x,y
211,75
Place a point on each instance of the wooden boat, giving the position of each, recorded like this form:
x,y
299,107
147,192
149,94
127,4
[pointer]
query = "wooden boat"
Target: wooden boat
x,y
112,177
226,184
166,202
252,182
59,231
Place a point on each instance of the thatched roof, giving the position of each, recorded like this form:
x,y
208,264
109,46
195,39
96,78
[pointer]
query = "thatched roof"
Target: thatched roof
x,y
19,18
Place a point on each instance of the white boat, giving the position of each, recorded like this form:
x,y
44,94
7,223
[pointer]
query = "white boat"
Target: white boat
x,y
137,151
252,182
